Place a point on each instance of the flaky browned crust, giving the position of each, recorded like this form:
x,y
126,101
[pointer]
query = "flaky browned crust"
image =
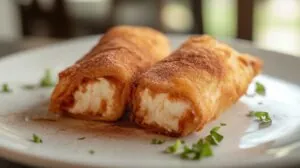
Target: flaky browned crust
x,y
204,72
121,54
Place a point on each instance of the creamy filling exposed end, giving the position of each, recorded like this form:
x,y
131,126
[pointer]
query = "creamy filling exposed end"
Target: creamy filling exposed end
x,y
159,109
94,98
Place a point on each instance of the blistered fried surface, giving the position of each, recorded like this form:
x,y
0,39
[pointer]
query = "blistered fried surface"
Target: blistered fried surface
x,y
120,55
204,72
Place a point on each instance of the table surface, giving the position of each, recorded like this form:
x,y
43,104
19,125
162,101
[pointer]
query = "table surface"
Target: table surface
x,y
11,47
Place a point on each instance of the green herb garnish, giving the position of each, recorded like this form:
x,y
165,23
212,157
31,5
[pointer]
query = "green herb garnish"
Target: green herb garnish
x,y
218,137
198,151
216,128
174,148
200,141
91,152
36,139
190,154
206,150
211,140
81,138
46,81
263,118
260,89
214,138
5,88
157,141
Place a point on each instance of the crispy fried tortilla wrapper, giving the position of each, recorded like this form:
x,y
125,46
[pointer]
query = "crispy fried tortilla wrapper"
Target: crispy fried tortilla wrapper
x,y
192,86
98,86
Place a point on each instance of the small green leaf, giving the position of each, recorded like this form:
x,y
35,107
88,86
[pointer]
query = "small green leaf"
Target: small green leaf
x,y
91,152
214,138
200,141
46,81
223,124
215,128
189,155
263,118
157,141
211,140
186,149
260,89
5,88
218,137
36,139
197,156
198,151
206,150
173,148
196,147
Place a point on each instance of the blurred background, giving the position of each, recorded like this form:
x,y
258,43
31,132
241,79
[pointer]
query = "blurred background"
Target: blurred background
x,y
271,24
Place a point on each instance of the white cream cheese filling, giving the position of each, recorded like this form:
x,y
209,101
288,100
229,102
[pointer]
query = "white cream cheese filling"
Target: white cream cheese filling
x,y
162,111
95,97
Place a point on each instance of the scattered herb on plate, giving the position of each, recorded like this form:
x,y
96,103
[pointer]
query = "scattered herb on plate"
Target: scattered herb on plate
x,y
197,151
174,148
203,148
200,149
214,138
263,118
91,152
260,89
36,139
46,81
157,141
215,129
5,88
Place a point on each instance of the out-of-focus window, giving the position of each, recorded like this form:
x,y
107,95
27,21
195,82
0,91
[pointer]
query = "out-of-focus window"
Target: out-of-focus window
x,y
10,28
177,16
277,25
219,17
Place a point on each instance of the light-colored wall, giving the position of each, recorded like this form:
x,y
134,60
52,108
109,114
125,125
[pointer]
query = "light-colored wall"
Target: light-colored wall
x,y
10,26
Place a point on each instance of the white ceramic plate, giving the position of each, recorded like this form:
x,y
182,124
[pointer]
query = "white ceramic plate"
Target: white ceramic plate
x,y
122,145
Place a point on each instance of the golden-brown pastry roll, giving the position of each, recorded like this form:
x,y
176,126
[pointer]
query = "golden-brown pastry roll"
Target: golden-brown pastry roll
x,y
192,86
98,86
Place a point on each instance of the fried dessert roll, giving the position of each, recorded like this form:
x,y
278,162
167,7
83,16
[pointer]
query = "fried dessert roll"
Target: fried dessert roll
x,y
98,86
192,86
